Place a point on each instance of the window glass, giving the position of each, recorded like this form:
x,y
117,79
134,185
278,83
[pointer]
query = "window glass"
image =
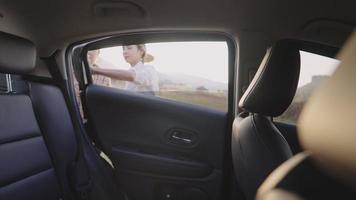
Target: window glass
x,y
190,72
314,70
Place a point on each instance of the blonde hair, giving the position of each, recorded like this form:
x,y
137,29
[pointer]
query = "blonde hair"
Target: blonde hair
x,y
142,47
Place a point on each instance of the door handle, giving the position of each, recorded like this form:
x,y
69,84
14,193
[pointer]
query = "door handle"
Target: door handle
x,y
176,136
182,137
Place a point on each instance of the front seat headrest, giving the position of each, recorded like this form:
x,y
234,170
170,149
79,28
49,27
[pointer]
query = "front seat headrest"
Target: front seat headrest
x,y
274,84
327,124
17,55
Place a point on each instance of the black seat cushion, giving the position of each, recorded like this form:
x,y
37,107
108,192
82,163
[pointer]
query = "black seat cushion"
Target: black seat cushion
x,y
57,128
25,160
300,177
38,140
258,147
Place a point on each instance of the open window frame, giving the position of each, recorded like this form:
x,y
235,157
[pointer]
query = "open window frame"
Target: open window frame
x,y
77,55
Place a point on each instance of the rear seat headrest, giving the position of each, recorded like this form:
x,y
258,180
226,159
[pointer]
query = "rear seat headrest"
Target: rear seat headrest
x,y
274,84
327,125
17,55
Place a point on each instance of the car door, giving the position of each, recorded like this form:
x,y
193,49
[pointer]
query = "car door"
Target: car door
x,y
163,147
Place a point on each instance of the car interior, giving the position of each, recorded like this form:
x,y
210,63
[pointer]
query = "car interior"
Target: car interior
x,y
255,100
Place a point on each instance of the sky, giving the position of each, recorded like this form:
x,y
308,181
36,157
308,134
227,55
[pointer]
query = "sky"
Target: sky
x,y
203,59
312,64
209,60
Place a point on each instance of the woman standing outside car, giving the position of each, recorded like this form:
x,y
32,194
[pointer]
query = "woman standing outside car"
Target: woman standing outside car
x,y
140,77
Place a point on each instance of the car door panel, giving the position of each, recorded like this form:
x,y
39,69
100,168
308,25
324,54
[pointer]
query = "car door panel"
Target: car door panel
x,y
166,145
161,165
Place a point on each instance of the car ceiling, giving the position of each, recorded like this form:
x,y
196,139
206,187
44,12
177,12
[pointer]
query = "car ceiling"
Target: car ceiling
x,y
52,24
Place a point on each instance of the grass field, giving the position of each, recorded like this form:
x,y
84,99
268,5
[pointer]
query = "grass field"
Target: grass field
x,y
211,100
215,100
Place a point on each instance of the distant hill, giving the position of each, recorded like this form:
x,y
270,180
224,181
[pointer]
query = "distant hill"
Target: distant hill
x,y
302,95
190,81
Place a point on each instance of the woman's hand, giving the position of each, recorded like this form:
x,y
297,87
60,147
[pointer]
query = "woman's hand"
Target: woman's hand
x,y
125,75
93,70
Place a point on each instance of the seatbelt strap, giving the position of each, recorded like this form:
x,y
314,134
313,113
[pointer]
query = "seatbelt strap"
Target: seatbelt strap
x,y
79,178
78,172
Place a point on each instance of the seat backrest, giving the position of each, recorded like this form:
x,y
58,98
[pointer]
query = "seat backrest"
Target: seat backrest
x,y
327,168
299,178
37,139
258,147
44,151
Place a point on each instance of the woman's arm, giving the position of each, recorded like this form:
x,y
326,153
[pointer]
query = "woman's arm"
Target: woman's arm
x,y
125,75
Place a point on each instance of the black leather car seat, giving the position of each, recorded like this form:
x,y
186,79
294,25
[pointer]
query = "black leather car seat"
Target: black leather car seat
x,y
327,131
258,147
38,143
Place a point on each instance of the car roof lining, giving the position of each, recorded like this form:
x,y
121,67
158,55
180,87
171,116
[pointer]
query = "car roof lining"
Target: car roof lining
x,y
68,21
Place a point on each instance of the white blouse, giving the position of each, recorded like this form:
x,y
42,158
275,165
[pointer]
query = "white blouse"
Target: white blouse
x,y
146,79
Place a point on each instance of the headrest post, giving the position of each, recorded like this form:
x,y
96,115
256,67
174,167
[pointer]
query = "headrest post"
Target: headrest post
x,y
8,83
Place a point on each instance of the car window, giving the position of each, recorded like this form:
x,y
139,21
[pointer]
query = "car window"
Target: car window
x,y
190,72
314,70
